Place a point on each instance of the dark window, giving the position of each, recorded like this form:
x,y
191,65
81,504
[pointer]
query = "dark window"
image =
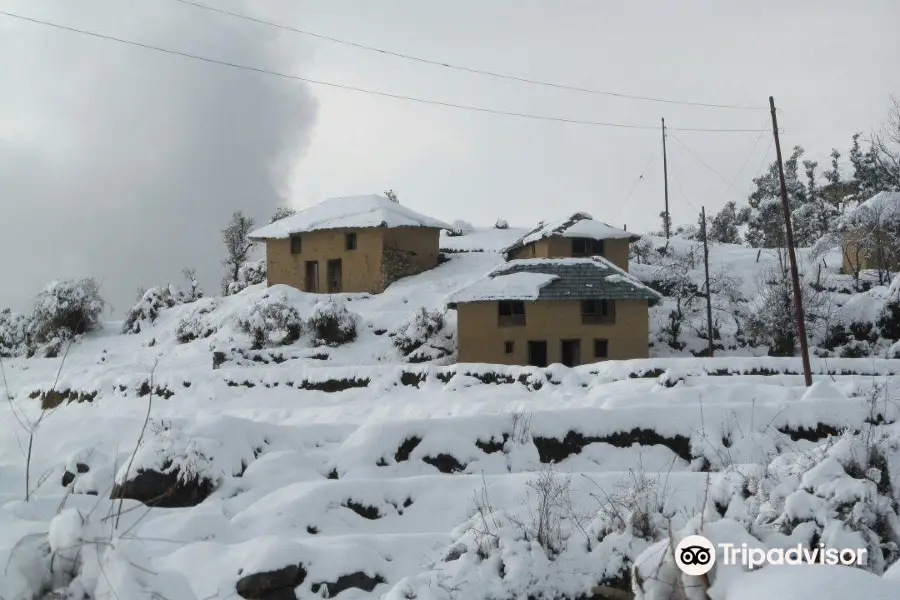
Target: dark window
x,y
351,241
587,247
594,312
510,313
508,347
601,348
296,245
533,250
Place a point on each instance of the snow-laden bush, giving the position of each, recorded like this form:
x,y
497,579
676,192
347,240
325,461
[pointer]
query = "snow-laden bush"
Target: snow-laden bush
x,y
271,322
13,333
195,325
64,309
252,272
332,323
80,558
425,325
460,227
837,495
148,307
856,349
545,547
501,224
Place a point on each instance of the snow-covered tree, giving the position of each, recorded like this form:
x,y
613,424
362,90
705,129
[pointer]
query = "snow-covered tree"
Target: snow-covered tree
x,y
64,309
392,196
194,291
252,272
723,228
237,246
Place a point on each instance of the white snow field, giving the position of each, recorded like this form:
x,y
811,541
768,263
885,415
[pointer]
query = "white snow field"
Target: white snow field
x,y
365,471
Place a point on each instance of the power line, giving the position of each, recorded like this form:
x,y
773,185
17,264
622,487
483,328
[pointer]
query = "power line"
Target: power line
x,y
744,164
703,162
633,187
363,90
681,189
468,69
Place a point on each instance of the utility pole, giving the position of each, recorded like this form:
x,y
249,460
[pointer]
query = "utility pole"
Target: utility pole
x,y
667,221
795,277
709,321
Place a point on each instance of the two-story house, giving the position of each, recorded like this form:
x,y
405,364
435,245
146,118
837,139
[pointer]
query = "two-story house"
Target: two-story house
x,y
569,300
350,244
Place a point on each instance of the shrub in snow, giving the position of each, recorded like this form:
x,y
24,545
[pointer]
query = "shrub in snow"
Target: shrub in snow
x,y
195,326
64,309
424,327
13,334
250,273
168,469
838,494
271,323
81,559
147,309
331,323
501,224
459,228
856,349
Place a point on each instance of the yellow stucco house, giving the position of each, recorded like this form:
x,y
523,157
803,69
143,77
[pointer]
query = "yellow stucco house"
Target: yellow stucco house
x,y
350,244
565,302
578,236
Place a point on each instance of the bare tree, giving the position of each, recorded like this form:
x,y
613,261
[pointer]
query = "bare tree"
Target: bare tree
x,y
886,144
282,212
237,246
872,232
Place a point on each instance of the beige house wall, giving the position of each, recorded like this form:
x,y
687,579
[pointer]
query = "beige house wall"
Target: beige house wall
x,y
481,339
382,256
360,268
616,251
859,259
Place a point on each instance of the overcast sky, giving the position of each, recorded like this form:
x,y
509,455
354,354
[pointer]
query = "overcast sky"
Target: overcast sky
x,y
124,163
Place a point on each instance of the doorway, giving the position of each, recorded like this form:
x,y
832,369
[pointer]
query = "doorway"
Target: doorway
x,y
334,276
537,353
312,277
570,351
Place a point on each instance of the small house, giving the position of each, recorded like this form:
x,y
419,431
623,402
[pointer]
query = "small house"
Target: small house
x,y
350,244
578,236
553,310
871,234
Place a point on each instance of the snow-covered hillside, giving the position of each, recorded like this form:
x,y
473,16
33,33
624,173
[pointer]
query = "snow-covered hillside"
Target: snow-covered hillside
x,y
256,468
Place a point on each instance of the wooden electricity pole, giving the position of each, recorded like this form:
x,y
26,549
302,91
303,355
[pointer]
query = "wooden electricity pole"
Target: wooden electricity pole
x,y
667,220
795,277
709,321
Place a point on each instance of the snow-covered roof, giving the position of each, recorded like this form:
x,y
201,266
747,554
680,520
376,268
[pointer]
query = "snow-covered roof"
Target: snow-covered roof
x,y
883,206
351,212
505,286
555,279
579,225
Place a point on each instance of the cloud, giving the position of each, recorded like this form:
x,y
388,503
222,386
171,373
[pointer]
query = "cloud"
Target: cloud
x,y
125,164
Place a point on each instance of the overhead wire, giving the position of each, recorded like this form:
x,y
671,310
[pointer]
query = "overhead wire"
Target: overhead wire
x,y
473,70
480,109
634,186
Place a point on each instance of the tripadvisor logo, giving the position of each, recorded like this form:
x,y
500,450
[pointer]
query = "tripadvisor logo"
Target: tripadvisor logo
x,y
696,555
